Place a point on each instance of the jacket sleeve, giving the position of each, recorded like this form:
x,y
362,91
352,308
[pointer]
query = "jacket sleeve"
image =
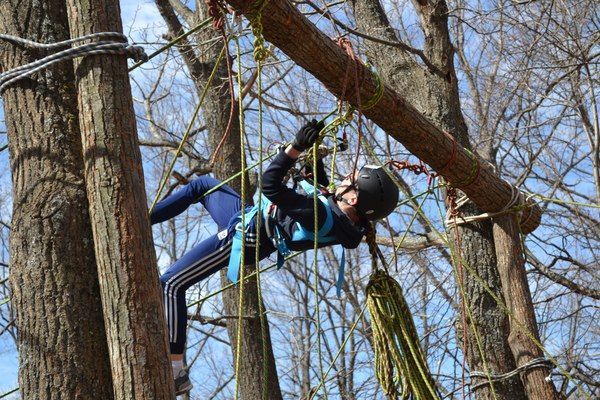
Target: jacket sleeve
x,y
321,173
299,207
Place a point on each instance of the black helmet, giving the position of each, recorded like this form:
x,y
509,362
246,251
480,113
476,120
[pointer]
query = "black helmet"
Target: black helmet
x,y
377,193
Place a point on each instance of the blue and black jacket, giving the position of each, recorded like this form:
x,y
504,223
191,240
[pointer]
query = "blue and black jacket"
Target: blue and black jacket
x,y
294,207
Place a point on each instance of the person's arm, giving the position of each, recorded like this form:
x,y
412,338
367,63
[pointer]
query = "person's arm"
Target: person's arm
x,y
297,206
273,186
322,177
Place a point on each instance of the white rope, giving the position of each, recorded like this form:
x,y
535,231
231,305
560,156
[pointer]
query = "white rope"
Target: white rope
x,y
516,199
117,46
539,362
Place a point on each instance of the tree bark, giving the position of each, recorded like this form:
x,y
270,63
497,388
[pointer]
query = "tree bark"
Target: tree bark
x,y
61,337
435,94
258,372
131,293
523,324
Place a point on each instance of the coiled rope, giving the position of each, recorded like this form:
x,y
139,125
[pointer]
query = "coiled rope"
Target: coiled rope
x,y
400,364
113,43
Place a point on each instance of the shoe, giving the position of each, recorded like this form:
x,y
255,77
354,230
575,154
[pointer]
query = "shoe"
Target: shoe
x,y
182,383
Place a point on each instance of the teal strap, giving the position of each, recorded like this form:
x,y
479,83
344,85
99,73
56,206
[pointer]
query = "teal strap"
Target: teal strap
x,y
235,258
305,234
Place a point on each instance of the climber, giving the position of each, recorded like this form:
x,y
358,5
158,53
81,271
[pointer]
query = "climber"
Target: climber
x,y
287,225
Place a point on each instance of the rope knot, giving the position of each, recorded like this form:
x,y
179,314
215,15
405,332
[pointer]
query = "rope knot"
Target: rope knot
x,y
136,53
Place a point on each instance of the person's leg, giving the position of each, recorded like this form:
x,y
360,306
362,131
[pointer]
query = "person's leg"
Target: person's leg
x,y
221,204
201,261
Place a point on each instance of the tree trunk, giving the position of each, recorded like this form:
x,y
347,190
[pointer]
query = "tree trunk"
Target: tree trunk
x,y
258,372
129,285
434,91
523,324
55,294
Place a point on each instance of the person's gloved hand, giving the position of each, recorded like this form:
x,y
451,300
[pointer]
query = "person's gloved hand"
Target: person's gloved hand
x,y
307,135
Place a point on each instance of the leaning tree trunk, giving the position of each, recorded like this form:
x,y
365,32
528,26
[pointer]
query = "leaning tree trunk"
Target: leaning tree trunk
x,y
61,337
129,284
523,324
258,373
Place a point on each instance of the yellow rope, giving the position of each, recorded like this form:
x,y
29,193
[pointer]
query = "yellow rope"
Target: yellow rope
x,y
254,14
379,89
315,256
399,359
261,311
173,42
238,350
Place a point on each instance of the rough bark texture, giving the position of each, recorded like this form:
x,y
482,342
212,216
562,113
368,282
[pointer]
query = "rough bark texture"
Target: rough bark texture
x,y
434,92
254,381
282,23
130,289
55,294
523,324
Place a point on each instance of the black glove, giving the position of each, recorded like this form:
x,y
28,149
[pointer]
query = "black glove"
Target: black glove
x,y
307,135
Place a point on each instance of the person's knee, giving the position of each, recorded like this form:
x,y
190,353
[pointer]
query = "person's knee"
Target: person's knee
x,y
201,185
165,282
174,286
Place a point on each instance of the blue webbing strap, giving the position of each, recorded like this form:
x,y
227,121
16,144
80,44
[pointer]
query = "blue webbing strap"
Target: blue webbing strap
x,y
235,258
304,234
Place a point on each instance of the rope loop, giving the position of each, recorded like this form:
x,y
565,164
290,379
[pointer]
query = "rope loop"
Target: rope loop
x,y
450,161
346,45
473,174
117,46
254,13
379,89
540,362
400,364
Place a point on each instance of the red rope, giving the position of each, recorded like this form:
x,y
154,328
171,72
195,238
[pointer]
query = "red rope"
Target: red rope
x,y
217,10
450,161
232,106
346,45
417,169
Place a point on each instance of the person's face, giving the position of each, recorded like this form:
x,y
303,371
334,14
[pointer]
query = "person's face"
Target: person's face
x,y
350,195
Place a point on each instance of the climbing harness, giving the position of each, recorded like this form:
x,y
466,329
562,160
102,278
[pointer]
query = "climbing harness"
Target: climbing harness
x,y
266,211
107,43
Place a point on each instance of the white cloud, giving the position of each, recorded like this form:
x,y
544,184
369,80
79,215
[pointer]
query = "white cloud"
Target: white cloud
x,y
141,18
